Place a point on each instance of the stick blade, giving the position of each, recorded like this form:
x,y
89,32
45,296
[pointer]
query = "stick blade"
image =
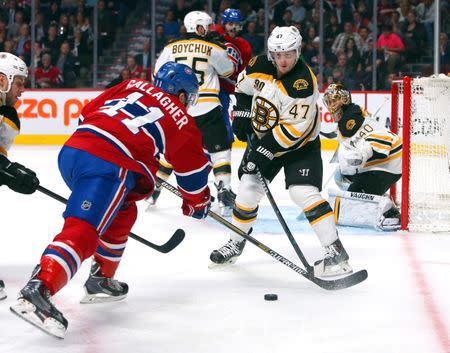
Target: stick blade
x,y
173,242
341,283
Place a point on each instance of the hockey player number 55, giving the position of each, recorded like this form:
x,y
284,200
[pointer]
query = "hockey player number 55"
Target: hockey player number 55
x,y
195,67
137,112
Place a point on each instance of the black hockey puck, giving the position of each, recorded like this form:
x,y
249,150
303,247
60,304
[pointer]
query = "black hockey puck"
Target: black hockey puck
x,y
270,297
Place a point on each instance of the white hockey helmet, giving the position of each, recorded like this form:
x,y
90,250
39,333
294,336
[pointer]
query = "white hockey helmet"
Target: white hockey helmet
x,y
11,66
284,39
197,18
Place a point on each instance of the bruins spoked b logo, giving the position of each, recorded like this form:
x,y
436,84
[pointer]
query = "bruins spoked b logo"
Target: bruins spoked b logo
x,y
265,115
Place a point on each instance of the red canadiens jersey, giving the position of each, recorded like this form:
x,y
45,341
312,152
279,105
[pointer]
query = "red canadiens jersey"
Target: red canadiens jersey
x,y
131,123
240,52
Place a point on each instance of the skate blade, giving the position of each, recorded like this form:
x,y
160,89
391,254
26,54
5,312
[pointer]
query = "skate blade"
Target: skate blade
x,y
215,266
100,298
333,271
25,310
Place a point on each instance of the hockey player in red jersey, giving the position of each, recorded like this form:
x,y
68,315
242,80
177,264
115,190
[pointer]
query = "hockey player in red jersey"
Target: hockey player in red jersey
x,y
109,163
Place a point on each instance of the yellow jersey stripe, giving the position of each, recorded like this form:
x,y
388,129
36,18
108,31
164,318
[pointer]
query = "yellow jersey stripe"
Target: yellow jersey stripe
x,y
10,123
384,160
380,146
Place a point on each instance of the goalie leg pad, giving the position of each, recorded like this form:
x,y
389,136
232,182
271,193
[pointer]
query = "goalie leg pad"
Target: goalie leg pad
x,y
361,210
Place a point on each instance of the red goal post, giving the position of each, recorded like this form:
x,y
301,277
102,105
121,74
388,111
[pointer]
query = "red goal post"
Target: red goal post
x,y
420,113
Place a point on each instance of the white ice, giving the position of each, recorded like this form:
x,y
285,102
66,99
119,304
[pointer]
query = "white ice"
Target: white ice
x,y
177,305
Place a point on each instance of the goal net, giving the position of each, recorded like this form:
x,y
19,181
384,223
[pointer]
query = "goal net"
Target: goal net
x,y
421,115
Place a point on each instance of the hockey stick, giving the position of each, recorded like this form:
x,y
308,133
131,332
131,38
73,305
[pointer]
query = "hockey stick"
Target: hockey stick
x,y
283,223
171,244
340,283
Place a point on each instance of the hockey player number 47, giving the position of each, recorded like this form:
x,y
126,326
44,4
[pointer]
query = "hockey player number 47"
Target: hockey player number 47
x,y
137,112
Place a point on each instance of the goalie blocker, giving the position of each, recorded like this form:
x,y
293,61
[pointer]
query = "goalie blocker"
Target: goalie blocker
x,y
358,209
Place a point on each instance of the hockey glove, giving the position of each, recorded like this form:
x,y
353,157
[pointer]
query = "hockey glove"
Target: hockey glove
x,y
17,177
198,210
242,122
261,154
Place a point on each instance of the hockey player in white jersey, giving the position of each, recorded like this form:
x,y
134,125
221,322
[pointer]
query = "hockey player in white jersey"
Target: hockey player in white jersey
x,y
209,60
13,74
370,161
277,105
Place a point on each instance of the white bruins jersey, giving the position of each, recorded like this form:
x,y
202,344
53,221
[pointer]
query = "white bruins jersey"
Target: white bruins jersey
x,y
386,146
285,106
208,59
9,129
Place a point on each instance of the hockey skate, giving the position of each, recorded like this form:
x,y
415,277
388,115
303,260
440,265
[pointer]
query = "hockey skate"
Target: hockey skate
x,y
33,305
153,198
2,290
334,263
101,289
226,199
228,253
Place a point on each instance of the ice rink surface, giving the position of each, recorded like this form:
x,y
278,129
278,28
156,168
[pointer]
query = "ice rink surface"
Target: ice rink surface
x,y
177,305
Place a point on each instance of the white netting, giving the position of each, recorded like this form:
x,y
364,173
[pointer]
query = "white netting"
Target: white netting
x,y
429,185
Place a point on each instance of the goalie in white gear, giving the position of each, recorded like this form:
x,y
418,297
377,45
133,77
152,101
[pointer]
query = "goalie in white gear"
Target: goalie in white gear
x,y
277,108
369,164
209,60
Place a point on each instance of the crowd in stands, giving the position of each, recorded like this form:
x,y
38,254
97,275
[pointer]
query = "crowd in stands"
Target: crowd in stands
x,y
64,36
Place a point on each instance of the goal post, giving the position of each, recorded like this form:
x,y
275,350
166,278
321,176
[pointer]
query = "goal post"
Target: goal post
x,y
420,114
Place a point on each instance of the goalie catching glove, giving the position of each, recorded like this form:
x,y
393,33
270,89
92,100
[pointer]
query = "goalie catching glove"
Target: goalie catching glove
x,y
17,177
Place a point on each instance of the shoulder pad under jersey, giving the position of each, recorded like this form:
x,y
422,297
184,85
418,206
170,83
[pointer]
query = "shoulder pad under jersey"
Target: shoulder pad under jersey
x,y
300,82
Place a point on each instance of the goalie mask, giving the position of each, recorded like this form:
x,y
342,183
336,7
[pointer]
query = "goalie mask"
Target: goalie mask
x,y
335,97
197,18
284,39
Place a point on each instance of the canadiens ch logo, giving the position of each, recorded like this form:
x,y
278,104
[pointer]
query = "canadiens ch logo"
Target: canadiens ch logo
x,y
300,84
350,124
86,205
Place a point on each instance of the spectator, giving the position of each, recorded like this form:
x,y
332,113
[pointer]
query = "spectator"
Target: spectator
x,y
179,10
64,30
396,26
425,14
2,40
343,12
298,11
53,13
359,21
8,46
444,52
365,38
14,28
81,52
125,74
414,37
353,56
403,10
278,11
10,12
135,70
37,54
311,55
51,43
339,43
392,46
66,65
384,11
83,24
287,18
160,38
365,74
332,29
48,76
260,21
171,25
255,40
348,79
143,59
106,26
23,47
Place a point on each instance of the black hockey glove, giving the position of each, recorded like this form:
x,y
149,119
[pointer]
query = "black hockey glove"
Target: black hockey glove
x,y
242,121
17,177
261,154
